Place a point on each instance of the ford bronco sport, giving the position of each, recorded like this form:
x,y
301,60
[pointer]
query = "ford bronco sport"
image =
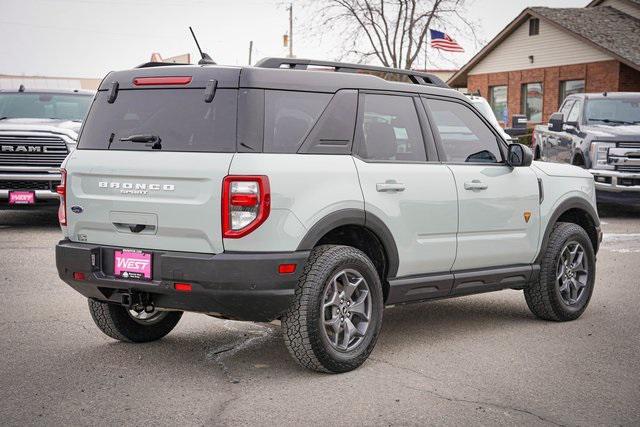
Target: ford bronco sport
x,y
38,128
313,197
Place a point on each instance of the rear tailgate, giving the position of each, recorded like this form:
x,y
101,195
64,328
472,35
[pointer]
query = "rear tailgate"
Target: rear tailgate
x,y
151,159
175,196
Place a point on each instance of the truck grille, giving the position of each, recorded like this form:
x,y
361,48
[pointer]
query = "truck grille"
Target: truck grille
x,y
629,144
39,151
29,185
625,168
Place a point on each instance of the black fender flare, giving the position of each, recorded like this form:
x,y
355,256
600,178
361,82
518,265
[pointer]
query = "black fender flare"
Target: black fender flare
x,y
570,203
355,217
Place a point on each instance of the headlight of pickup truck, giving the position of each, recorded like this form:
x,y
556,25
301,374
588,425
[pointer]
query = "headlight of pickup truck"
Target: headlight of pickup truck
x,y
598,152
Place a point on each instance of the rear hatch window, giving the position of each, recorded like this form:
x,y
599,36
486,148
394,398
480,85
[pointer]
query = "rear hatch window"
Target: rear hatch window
x,y
179,118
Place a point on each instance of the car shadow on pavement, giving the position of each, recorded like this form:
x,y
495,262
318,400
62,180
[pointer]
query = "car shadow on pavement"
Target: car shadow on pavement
x,y
40,218
618,211
244,349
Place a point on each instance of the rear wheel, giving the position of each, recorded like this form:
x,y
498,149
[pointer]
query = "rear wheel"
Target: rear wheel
x,y
567,275
123,324
336,316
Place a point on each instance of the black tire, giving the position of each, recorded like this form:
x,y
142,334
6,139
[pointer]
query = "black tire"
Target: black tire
x,y
303,327
114,320
544,297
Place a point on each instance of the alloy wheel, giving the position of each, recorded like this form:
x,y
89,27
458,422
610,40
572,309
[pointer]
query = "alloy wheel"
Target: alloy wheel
x,y
346,307
572,273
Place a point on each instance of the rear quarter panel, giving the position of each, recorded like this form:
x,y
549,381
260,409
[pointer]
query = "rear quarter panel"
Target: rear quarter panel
x,y
304,189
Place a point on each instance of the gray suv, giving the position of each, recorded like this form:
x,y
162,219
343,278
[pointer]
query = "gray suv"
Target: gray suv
x,y
280,192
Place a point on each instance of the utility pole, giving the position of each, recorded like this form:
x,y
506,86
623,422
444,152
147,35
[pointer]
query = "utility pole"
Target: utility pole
x,y
250,50
290,30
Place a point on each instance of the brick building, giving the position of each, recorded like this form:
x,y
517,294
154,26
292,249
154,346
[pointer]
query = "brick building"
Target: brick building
x,y
547,53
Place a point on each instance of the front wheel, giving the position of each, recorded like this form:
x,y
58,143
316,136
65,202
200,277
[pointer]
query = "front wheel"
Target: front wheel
x,y
567,275
336,315
126,325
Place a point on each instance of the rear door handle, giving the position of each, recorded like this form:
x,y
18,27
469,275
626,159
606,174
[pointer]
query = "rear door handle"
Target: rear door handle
x,y
476,184
390,186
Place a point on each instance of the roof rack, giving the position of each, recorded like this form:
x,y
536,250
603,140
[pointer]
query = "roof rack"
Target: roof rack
x,y
157,64
416,77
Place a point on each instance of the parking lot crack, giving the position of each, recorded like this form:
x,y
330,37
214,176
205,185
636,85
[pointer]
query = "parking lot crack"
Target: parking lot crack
x,y
461,400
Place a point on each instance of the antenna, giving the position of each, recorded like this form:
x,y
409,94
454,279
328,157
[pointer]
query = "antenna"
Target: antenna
x,y
206,59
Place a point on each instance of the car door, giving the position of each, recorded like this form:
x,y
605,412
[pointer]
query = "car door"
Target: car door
x,y
569,133
552,151
413,196
498,206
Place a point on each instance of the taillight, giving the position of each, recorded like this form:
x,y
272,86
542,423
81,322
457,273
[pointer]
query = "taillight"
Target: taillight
x,y
246,203
62,191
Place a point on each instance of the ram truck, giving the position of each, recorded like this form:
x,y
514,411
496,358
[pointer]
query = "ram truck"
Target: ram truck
x,y
601,133
38,128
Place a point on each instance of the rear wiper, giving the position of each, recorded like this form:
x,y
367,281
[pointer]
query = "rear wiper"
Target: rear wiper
x,y
3,118
144,139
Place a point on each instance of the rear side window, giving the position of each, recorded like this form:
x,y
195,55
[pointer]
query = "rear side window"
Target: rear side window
x,y
179,117
464,137
288,116
390,129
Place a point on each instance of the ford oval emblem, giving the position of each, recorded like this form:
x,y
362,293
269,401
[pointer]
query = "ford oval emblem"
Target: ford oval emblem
x,y
76,209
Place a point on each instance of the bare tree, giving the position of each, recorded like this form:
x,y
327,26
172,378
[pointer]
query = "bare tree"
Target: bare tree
x,y
392,31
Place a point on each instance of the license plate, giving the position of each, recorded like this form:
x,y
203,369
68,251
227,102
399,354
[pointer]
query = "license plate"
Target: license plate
x,y
22,197
132,264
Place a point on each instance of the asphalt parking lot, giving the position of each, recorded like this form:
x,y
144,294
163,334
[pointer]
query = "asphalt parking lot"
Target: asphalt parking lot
x,y
480,359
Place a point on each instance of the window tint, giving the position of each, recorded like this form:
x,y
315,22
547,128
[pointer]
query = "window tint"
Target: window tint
x,y
288,116
532,101
574,115
179,117
464,137
390,129
566,108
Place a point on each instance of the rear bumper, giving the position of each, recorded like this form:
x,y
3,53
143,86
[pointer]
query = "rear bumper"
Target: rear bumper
x,y
243,286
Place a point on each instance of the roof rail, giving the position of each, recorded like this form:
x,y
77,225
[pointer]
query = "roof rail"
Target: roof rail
x,y
416,77
157,64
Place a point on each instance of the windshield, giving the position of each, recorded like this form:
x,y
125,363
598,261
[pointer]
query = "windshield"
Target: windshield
x,y
613,111
44,106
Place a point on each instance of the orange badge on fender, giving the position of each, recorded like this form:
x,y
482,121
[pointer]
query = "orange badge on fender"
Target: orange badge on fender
x,y
527,216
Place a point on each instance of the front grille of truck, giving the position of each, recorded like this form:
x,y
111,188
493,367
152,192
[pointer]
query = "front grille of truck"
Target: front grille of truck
x,y
29,185
30,151
630,169
629,144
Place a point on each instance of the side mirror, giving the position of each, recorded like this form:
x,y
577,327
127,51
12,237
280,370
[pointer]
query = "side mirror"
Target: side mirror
x,y
556,121
519,155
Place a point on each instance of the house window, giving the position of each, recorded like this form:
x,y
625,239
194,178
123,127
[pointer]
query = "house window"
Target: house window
x,y
569,87
498,102
532,101
534,26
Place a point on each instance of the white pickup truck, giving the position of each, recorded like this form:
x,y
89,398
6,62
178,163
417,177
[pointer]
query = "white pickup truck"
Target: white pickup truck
x,y
38,128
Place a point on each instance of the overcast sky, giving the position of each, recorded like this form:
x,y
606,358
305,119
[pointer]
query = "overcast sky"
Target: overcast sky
x,y
88,38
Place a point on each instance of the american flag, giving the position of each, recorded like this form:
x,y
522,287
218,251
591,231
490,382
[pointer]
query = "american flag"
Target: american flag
x,y
440,40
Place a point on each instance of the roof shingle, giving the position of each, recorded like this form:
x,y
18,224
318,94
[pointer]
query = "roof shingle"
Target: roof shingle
x,y
604,26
